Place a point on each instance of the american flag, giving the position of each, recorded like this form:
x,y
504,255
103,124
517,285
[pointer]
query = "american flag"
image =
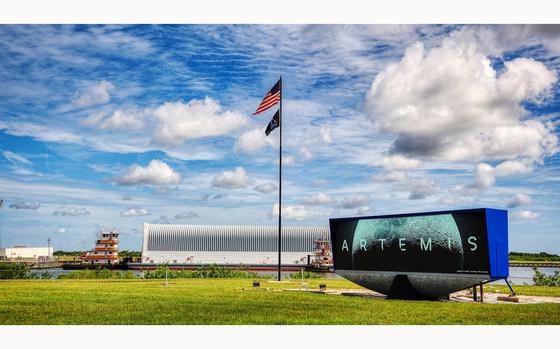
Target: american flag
x,y
270,100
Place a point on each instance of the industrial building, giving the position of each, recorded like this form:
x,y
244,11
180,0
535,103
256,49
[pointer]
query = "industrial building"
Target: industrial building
x,y
25,252
249,245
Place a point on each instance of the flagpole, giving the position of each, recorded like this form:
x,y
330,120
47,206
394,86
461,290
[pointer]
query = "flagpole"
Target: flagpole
x,y
280,186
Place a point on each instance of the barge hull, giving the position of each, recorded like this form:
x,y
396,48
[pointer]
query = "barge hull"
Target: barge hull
x,y
73,266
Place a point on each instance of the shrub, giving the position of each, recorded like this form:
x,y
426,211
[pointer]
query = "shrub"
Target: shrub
x,y
209,272
99,273
541,279
306,275
13,271
20,271
46,275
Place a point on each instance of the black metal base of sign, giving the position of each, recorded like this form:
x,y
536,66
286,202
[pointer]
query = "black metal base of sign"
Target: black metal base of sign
x,y
401,288
510,288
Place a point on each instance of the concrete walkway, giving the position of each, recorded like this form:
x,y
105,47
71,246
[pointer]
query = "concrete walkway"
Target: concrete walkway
x,y
461,296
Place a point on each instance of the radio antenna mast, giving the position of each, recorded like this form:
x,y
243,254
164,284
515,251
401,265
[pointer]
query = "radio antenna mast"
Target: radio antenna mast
x,y
1,220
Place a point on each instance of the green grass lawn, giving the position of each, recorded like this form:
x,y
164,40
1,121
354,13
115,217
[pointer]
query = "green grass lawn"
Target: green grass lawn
x,y
525,290
222,301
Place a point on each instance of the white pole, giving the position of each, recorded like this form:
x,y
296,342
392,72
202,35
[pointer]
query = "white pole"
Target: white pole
x,y
166,278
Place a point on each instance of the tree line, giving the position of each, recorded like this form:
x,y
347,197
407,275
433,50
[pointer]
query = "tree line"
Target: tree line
x,y
541,256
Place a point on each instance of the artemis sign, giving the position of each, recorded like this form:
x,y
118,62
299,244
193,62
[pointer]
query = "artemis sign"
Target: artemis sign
x,y
422,255
424,245
439,242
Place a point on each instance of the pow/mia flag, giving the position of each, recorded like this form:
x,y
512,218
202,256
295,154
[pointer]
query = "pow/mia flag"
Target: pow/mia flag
x,y
274,123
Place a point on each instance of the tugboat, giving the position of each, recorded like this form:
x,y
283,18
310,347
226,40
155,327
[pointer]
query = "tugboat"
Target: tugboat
x,y
105,254
322,259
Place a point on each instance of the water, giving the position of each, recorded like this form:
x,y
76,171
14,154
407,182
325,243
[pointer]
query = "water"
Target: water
x,y
55,272
286,274
524,275
519,275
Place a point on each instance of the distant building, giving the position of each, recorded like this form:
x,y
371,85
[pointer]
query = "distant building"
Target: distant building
x,y
25,252
229,244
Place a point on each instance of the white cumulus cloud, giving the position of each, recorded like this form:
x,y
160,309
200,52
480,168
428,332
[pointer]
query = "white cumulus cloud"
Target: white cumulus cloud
x,y
511,168
287,160
118,119
71,211
266,188
234,179
354,201
157,173
392,176
186,215
326,134
519,200
305,153
448,102
135,212
363,211
179,121
399,163
253,140
454,200
527,214
396,168
319,199
294,212
516,35
485,174
163,219
422,188
23,205
98,93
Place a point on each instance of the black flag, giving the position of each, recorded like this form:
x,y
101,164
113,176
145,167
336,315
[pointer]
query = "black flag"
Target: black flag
x,y
275,122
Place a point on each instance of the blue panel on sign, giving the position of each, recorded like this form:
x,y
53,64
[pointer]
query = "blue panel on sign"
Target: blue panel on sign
x,y
497,227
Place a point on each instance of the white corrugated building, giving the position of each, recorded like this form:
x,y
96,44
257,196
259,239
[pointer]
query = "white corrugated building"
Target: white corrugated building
x,y
25,252
229,244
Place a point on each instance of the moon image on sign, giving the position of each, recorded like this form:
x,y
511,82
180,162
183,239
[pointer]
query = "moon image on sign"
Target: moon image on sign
x,y
405,243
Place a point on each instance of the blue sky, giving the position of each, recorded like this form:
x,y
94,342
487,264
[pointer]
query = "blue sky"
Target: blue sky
x,y
114,126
